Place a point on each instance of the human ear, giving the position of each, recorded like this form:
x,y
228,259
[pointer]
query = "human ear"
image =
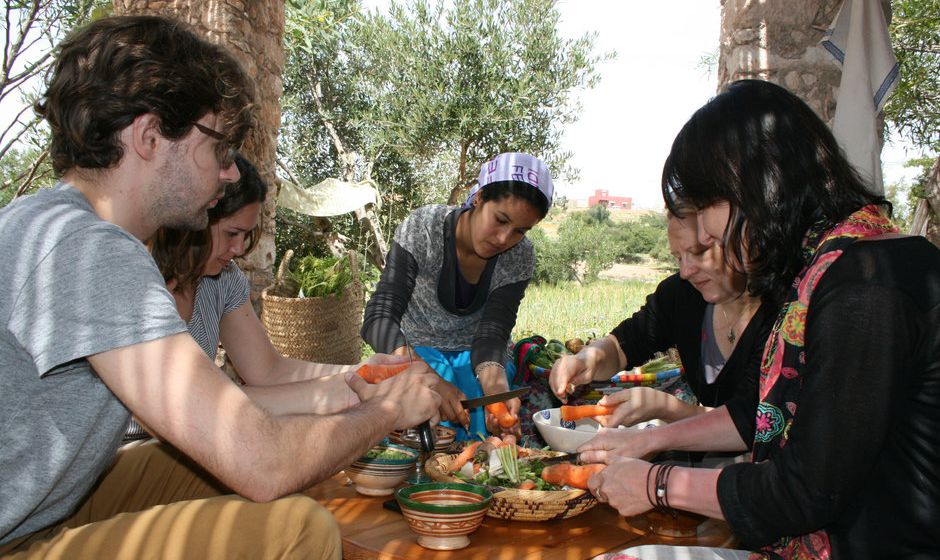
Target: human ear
x,y
143,136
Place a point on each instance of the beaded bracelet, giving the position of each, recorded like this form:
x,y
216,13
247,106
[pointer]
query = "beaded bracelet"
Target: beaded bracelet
x,y
483,365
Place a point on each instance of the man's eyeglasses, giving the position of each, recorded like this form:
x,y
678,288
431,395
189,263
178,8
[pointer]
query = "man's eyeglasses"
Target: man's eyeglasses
x,y
223,152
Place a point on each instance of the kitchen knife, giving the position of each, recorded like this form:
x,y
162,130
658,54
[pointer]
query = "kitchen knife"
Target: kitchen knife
x,y
494,398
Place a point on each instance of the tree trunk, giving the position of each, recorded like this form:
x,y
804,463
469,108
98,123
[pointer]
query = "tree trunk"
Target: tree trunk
x,y
253,32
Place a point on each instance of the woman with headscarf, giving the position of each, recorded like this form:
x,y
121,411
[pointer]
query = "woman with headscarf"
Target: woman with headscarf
x,y
454,279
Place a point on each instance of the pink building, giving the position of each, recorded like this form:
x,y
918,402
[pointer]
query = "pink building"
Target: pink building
x,y
602,196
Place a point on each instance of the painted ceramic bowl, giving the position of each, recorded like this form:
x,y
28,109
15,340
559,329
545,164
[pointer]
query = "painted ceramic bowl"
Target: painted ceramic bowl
x,y
443,513
443,437
568,436
382,469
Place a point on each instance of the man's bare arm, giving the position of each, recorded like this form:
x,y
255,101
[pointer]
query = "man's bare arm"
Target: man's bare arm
x,y
171,385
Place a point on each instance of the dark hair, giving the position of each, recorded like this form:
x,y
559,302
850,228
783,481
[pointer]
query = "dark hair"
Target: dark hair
x,y
115,69
181,255
765,152
503,189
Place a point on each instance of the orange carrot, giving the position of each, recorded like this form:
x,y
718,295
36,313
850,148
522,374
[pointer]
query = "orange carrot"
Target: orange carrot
x,y
526,485
508,440
585,411
376,373
501,412
567,474
465,456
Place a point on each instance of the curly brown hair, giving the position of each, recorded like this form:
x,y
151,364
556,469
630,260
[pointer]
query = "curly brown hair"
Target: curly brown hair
x,y
115,69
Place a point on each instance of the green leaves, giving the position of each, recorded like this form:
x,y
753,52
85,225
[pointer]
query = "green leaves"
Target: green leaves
x,y
322,276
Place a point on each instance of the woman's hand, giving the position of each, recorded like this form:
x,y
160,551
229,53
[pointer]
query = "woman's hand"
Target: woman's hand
x,y
451,409
598,360
492,381
634,405
611,444
623,485
567,373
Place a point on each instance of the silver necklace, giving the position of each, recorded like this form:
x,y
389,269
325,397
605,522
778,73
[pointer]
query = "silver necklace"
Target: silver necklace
x,y
731,336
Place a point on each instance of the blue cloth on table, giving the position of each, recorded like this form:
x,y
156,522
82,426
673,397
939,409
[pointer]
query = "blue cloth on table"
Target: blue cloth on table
x,y
454,367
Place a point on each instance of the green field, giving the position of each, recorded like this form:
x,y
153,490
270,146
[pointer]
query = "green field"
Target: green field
x,y
571,310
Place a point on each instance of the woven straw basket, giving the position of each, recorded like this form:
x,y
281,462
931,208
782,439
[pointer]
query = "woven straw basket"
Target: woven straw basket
x,y
315,329
520,505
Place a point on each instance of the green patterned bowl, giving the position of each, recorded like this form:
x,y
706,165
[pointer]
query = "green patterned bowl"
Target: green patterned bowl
x,y
443,513
376,476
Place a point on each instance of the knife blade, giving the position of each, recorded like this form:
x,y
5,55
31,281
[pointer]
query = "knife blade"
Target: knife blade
x,y
494,398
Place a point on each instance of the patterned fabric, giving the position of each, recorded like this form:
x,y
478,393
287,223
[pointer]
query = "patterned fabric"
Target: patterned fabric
x,y
215,297
784,356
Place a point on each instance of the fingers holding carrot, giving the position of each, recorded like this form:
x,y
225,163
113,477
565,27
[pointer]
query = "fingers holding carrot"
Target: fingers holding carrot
x,y
503,417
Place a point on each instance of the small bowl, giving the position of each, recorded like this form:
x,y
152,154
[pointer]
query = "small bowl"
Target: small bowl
x,y
675,524
568,436
443,513
378,477
443,437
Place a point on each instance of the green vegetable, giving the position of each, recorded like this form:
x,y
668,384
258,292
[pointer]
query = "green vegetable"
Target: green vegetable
x,y
322,276
658,365
386,454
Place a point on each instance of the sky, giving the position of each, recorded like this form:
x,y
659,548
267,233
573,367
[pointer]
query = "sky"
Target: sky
x,y
648,92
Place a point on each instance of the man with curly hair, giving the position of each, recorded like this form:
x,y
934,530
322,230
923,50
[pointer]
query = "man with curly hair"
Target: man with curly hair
x,y
145,120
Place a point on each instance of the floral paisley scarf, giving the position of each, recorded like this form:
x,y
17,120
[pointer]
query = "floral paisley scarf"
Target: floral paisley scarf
x,y
780,371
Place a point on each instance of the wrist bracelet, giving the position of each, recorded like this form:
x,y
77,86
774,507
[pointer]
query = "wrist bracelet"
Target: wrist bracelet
x,y
649,496
483,365
662,489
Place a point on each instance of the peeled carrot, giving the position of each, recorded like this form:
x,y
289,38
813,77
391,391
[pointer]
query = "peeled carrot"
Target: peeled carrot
x,y
526,485
465,456
585,411
376,373
501,412
567,474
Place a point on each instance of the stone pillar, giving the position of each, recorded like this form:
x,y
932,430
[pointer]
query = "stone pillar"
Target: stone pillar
x,y
253,31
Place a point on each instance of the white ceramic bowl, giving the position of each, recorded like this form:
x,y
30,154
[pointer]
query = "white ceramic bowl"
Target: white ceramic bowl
x,y
379,477
569,436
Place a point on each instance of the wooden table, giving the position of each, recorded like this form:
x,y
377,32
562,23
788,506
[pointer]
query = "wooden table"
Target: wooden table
x,y
371,531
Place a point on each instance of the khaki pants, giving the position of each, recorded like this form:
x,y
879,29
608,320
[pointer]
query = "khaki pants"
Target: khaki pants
x,y
156,503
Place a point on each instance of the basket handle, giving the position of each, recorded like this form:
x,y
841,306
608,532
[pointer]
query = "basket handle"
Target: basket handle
x,y
283,268
354,266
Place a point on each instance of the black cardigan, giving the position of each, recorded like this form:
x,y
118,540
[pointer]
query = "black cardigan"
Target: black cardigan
x,y
672,316
862,458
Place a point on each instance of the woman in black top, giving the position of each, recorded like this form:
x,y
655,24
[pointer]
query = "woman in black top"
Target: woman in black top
x,y
846,435
704,312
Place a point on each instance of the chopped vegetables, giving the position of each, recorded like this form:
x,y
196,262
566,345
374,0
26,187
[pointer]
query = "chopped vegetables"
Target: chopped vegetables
x,y
378,453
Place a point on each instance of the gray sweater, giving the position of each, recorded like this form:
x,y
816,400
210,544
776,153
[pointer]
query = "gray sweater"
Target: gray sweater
x,y
417,290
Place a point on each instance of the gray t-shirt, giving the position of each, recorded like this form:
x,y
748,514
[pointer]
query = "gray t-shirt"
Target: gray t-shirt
x,y
73,286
